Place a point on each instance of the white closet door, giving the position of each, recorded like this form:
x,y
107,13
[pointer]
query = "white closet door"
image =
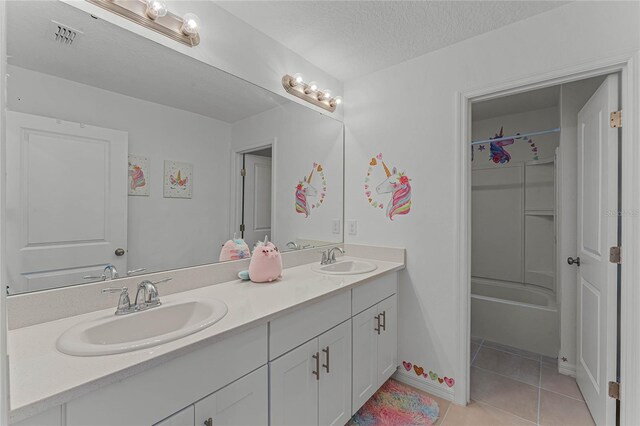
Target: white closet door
x,y
334,399
294,387
66,201
365,357
257,198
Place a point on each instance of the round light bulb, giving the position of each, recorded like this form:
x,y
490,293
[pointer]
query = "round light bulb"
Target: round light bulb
x,y
190,24
156,9
298,78
336,101
313,86
326,94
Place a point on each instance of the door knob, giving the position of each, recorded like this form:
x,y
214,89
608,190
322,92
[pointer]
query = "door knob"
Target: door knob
x,y
119,252
571,261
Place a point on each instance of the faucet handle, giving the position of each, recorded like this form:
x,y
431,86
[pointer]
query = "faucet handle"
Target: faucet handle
x,y
161,281
135,271
115,290
102,277
124,303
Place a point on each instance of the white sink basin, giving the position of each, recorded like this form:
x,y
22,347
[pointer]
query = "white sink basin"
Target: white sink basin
x,y
346,267
125,333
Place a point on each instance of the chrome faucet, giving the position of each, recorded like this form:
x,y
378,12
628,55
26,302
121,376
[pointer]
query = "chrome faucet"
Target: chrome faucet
x,y
113,274
149,298
295,246
329,256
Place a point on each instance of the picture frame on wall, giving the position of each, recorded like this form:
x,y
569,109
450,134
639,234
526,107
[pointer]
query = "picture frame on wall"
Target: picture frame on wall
x,y
178,179
139,183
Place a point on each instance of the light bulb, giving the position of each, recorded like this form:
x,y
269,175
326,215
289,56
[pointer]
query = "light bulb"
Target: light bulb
x,y
156,9
326,94
296,79
336,101
311,87
190,24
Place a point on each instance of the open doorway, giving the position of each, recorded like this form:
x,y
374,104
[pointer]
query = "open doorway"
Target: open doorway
x,y
544,295
255,195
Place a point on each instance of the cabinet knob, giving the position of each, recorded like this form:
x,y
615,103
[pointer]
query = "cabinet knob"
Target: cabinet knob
x,y
208,422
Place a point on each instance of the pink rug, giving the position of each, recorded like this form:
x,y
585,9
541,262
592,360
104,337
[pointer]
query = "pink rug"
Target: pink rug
x,y
396,404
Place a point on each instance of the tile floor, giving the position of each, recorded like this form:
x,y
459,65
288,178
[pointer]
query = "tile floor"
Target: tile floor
x,y
514,387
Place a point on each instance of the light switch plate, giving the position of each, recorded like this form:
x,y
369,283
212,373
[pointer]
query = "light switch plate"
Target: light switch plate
x,y
353,227
335,227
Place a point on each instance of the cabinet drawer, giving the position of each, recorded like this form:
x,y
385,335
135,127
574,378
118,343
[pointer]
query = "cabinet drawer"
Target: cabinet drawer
x,y
155,394
51,417
289,331
372,292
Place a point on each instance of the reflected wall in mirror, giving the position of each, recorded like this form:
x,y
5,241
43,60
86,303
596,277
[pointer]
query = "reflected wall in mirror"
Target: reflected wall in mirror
x,y
123,152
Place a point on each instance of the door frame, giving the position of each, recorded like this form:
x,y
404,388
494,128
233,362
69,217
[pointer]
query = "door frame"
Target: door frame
x,y
627,65
235,204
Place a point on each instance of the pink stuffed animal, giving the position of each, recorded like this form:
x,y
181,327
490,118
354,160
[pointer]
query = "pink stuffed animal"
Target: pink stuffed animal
x,y
266,263
235,249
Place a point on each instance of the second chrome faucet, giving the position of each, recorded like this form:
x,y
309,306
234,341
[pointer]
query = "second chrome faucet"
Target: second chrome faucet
x,y
148,300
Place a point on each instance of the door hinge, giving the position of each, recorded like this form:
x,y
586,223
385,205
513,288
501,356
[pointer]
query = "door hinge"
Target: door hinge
x,y
242,228
243,172
614,255
614,390
615,119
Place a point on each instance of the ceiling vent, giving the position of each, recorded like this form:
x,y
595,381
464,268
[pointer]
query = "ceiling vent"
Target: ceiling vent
x,y
63,34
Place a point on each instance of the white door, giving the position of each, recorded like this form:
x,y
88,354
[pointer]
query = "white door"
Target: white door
x,y
257,198
365,357
387,339
334,396
243,402
66,201
181,418
294,386
597,231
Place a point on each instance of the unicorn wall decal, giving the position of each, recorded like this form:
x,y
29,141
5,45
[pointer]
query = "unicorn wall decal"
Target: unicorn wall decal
x,y
304,189
397,184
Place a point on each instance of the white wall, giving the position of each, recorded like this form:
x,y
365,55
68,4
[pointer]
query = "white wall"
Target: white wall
x,y
163,233
573,96
408,112
302,138
234,46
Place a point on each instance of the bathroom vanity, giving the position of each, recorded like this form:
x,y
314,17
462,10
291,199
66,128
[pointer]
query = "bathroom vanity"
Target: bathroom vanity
x,y
309,349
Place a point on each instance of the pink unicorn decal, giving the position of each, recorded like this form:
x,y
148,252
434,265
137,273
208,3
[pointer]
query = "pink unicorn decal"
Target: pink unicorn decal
x,y
304,190
498,153
397,184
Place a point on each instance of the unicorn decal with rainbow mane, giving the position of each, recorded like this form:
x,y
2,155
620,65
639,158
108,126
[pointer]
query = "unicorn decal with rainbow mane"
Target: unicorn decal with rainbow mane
x,y
398,185
304,190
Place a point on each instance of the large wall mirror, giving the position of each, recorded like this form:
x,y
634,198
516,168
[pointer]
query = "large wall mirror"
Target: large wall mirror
x,y
124,152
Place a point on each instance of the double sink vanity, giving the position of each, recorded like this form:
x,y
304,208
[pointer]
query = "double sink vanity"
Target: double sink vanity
x,y
310,348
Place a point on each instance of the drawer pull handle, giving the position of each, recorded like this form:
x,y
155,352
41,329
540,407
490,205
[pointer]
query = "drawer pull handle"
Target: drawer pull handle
x,y
326,351
377,317
383,324
317,371
208,422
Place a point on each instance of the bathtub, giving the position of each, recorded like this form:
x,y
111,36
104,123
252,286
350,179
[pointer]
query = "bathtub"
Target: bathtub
x,y
512,314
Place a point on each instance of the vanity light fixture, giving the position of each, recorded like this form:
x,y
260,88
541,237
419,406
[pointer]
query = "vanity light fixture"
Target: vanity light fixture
x,y
310,92
153,14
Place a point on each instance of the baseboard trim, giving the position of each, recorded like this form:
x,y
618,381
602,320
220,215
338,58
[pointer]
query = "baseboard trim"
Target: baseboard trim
x,y
424,385
567,369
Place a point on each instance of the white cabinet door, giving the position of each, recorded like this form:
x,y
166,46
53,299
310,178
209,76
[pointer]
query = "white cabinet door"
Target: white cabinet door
x,y
365,357
294,386
243,402
334,395
181,418
387,339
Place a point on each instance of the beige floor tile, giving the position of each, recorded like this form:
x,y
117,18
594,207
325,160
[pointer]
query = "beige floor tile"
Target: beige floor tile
x,y
559,383
511,350
477,340
513,366
480,414
507,394
559,410
474,349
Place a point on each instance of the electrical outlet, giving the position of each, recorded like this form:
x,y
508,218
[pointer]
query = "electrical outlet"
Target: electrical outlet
x,y
353,227
335,226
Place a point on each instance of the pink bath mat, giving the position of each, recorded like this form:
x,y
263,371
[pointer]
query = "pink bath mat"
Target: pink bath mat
x,y
396,404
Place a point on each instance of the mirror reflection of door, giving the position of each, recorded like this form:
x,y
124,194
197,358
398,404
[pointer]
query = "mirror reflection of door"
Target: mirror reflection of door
x,y
66,201
256,196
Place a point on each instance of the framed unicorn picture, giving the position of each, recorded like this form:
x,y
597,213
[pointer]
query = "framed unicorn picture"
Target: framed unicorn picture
x,y
139,181
386,189
178,179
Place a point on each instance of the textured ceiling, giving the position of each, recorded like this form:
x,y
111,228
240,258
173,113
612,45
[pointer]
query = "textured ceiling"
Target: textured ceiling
x,y
114,59
349,39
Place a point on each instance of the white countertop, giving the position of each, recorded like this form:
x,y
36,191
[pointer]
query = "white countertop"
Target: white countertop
x,y
41,377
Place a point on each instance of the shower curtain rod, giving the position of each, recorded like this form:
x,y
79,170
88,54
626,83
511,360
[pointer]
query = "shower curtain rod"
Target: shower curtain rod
x,y
543,132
